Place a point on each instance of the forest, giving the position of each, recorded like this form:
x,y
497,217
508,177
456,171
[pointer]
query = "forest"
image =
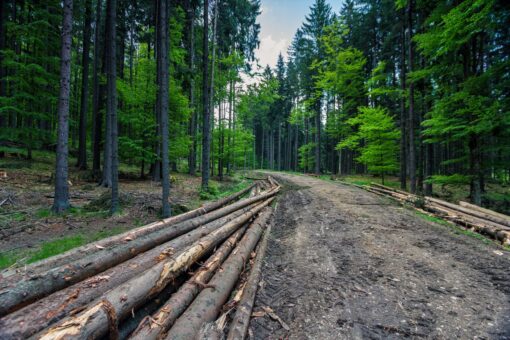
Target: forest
x,y
412,89
262,169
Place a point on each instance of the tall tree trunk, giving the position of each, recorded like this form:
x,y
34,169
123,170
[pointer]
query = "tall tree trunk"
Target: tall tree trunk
x,y
163,99
82,147
96,97
107,145
61,200
206,130
403,132
279,158
3,92
318,139
190,31
412,144
111,100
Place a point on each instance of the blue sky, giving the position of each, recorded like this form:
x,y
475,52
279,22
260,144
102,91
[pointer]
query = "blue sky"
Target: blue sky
x,y
279,21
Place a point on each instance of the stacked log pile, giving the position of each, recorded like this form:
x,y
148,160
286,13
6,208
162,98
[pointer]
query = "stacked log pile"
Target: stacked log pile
x,y
469,216
139,284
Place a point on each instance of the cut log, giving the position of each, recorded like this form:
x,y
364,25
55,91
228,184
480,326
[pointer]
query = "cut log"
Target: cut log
x,y
56,306
206,306
152,328
463,207
40,285
80,252
101,316
483,210
241,321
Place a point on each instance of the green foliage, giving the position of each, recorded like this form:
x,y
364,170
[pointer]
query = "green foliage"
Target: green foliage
x,y
455,179
376,139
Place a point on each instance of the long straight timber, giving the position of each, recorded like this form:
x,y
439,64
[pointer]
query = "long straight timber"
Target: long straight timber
x,y
40,285
102,315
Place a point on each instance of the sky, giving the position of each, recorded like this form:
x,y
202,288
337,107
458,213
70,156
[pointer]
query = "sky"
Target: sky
x,y
279,21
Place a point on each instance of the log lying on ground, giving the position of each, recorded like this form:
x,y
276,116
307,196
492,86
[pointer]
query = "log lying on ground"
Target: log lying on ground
x,y
54,307
40,285
478,214
241,321
450,212
206,306
79,252
463,207
101,316
483,210
152,328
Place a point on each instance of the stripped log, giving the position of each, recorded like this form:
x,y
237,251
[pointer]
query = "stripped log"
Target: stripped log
x,y
80,252
152,328
101,316
54,307
450,212
40,285
208,303
239,325
483,210
478,214
463,207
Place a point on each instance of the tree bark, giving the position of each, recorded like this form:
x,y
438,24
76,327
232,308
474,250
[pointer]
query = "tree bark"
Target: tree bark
x,y
206,127
95,320
163,106
82,144
153,329
58,305
241,321
107,146
412,145
96,96
75,254
403,131
208,303
32,288
61,201
111,102
190,31
3,90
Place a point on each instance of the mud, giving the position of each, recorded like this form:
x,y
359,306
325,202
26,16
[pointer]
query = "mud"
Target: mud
x,y
346,264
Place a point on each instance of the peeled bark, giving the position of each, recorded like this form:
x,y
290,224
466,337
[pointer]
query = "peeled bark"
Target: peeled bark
x,y
101,316
30,289
239,325
153,328
94,247
58,305
491,213
207,305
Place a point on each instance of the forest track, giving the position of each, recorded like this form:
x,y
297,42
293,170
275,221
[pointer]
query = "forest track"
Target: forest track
x,y
343,263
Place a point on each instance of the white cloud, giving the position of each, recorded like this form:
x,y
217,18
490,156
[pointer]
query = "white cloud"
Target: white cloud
x,y
269,50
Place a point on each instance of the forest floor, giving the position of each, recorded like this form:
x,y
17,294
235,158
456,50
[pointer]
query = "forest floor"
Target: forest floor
x,y
29,231
343,263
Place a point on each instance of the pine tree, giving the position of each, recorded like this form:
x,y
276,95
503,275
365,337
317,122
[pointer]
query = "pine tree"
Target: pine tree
x,y
61,200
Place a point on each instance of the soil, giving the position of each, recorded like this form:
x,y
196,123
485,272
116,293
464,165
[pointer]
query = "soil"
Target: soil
x,y
343,263
27,195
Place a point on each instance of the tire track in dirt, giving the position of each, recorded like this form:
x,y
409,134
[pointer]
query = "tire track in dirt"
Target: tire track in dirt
x,y
345,264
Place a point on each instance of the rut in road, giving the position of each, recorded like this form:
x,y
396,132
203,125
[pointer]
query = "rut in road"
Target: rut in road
x,y
344,263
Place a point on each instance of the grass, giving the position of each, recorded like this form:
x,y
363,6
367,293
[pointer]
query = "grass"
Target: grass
x,y
219,190
456,229
55,247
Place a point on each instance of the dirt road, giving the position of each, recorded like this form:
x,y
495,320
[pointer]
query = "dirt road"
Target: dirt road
x,y
346,264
